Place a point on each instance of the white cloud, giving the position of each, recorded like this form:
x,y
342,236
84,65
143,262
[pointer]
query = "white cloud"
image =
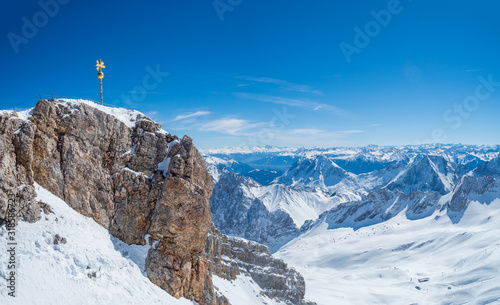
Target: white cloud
x,y
261,133
191,115
475,70
307,131
232,126
284,84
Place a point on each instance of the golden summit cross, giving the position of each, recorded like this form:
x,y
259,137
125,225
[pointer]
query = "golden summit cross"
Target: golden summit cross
x,y
100,65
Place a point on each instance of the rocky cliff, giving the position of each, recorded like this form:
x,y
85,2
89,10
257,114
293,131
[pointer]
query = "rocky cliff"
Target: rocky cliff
x,y
125,172
229,257
237,212
141,183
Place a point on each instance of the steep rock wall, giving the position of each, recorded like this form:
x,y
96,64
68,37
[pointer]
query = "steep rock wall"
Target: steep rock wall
x,y
130,176
229,257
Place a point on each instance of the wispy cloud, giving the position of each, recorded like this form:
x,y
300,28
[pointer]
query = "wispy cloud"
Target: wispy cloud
x,y
283,84
306,131
475,70
374,125
262,133
191,115
231,126
302,103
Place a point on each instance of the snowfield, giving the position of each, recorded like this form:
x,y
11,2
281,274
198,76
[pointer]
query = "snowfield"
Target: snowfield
x,y
242,291
299,204
426,261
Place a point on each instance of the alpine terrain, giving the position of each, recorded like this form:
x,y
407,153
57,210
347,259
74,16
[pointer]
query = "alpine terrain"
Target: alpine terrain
x,y
100,205
371,225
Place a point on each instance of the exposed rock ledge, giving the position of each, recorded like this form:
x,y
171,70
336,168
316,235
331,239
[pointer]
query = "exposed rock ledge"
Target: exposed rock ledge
x,y
120,168
230,256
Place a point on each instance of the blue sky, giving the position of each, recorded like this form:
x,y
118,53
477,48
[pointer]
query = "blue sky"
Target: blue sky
x,y
286,73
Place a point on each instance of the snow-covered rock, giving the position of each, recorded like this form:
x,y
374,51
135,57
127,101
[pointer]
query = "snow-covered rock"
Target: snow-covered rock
x,y
431,173
92,267
237,211
312,173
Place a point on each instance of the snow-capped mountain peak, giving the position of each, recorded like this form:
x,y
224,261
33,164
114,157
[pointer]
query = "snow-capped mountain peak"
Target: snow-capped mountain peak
x,y
318,172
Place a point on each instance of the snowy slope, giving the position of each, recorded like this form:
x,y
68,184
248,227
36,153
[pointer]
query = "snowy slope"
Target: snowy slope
x,y
127,116
242,291
383,263
301,205
423,229
51,274
270,215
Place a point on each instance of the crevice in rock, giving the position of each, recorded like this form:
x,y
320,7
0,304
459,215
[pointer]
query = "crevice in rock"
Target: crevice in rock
x,y
60,143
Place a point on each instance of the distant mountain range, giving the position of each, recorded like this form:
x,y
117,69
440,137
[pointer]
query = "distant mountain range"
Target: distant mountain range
x,y
349,187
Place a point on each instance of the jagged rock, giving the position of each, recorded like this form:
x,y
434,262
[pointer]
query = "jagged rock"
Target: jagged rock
x,y
15,179
180,275
314,172
471,187
135,198
431,173
58,239
230,256
236,213
108,171
378,206
46,208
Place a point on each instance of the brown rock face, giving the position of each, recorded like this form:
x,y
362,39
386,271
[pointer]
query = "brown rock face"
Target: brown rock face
x,y
230,256
111,172
16,178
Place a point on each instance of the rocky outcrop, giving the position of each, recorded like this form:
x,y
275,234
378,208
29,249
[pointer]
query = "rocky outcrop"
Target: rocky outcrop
x,y
376,207
16,181
229,257
237,212
431,173
126,173
483,189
